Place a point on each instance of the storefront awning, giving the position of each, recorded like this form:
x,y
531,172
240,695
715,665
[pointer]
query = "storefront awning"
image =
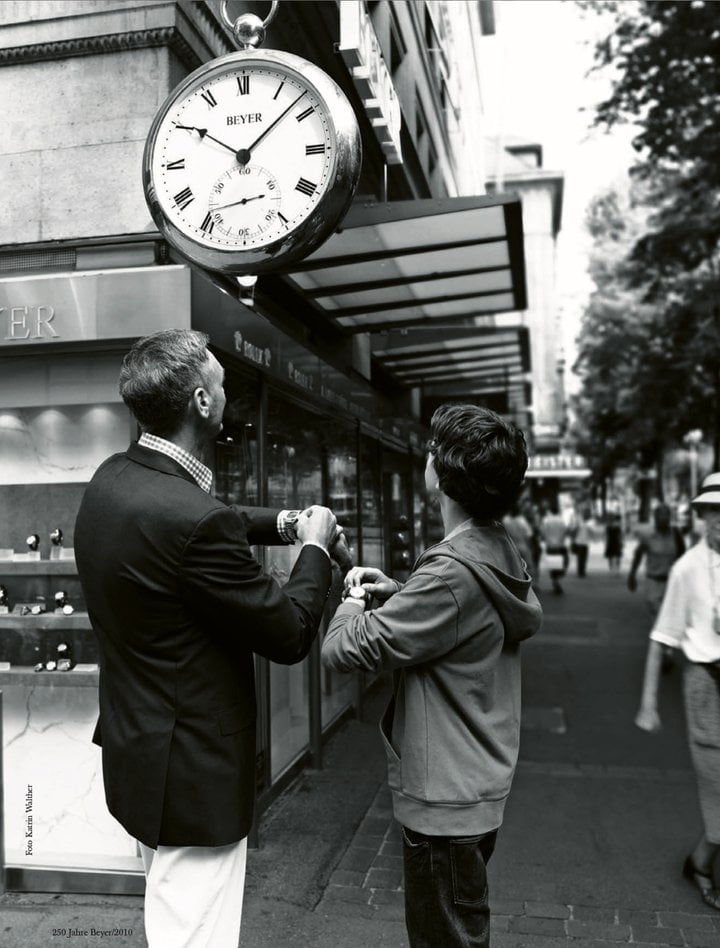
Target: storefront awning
x,y
426,279
472,359
424,262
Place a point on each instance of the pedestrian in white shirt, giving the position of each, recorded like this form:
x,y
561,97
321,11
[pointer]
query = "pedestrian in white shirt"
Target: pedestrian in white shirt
x,y
689,620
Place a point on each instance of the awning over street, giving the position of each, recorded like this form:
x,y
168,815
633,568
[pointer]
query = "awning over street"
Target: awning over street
x,y
475,359
427,279
421,262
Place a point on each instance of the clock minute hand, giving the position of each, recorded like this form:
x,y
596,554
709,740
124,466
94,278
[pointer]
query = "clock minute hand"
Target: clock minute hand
x,y
244,154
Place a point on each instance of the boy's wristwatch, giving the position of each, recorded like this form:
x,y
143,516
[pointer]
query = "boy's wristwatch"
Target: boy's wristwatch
x,y
358,593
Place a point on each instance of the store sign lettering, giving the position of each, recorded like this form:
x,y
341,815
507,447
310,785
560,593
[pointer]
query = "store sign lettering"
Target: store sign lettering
x,y
300,378
257,354
23,323
361,51
557,462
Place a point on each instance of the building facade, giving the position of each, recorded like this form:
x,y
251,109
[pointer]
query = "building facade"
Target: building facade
x,y
330,374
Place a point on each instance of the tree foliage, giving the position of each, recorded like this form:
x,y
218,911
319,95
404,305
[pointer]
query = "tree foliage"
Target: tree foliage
x,y
655,262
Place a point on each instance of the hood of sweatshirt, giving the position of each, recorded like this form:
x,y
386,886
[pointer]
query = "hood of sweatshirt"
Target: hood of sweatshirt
x,y
489,553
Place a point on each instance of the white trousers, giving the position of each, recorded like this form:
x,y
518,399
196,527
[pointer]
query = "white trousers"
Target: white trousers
x,y
194,895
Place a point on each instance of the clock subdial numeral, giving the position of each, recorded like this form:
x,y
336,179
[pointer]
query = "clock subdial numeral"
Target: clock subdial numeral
x,y
244,203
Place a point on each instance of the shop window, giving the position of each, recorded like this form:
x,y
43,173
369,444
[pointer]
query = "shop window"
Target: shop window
x,y
340,452
397,506
295,481
236,453
60,417
371,519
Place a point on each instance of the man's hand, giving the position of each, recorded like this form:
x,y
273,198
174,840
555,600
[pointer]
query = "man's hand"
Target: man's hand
x,y
373,581
648,719
340,551
317,525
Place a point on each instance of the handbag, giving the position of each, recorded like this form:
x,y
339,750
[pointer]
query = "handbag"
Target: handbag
x,y
555,561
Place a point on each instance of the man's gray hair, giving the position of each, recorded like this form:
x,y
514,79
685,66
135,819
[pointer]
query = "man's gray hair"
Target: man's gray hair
x,y
159,375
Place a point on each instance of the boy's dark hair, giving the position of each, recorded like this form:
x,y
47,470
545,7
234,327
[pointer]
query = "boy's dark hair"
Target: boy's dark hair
x,y
480,459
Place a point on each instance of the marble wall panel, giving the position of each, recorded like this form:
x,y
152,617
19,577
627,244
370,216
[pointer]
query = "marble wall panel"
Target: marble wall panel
x,y
53,782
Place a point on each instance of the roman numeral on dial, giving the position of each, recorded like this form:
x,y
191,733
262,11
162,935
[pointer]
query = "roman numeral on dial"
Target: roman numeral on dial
x,y
209,98
178,165
304,115
305,187
243,85
314,149
183,198
208,224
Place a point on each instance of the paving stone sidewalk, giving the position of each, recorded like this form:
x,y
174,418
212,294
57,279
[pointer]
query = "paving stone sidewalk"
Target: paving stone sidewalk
x,y
367,883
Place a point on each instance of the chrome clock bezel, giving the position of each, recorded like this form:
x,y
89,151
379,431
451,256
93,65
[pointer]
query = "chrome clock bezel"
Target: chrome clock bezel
x,y
332,205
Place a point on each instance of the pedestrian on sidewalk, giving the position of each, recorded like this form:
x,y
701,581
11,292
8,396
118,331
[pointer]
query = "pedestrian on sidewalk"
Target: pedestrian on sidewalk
x,y
554,533
614,542
179,607
520,532
451,635
689,620
660,547
580,541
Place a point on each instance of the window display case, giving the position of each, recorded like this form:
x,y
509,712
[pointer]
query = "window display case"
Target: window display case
x,y
59,835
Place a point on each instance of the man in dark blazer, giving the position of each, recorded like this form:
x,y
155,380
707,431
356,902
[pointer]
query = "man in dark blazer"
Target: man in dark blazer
x,y
180,606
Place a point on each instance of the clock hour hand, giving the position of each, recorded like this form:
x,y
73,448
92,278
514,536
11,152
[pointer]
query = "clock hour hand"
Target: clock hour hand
x,y
255,197
203,133
244,154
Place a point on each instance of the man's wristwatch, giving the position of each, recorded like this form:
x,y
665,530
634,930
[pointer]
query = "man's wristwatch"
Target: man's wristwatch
x,y
290,525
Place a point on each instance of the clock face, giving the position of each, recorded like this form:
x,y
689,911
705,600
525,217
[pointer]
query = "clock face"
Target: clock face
x,y
243,155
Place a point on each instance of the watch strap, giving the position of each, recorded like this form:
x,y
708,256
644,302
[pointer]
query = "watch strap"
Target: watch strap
x,y
287,525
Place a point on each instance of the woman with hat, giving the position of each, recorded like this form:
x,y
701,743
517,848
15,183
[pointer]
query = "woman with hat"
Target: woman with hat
x,y
689,619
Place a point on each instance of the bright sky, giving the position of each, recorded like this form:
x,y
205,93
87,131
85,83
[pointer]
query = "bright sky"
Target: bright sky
x,y
543,51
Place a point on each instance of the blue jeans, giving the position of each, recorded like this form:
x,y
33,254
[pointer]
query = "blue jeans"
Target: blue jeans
x,y
446,892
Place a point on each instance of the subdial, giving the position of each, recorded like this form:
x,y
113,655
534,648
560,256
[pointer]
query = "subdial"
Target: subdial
x,y
244,202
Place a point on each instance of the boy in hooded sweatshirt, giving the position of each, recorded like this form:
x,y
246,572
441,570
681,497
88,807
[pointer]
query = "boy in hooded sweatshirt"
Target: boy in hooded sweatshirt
x,y
451,635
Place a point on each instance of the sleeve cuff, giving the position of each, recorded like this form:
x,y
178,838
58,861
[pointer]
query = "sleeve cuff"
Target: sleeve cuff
x,y
350,607
318,545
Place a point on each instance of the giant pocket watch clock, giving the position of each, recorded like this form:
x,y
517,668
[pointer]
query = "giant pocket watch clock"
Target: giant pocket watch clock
x,y
252,161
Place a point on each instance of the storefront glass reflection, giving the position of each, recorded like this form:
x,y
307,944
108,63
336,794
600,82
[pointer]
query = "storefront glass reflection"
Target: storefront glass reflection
x,y
236,455
397,489
341,454
295,481
371,512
